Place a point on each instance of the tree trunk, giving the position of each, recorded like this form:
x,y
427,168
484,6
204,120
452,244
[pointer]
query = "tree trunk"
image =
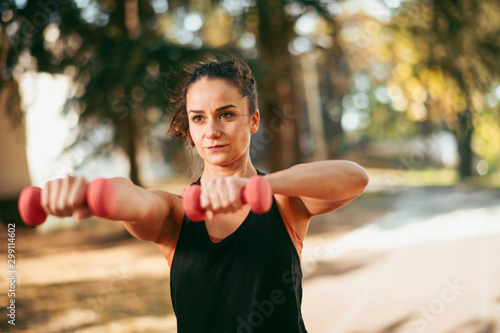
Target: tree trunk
x,y
278,110
131,150
463,135
127,10
314,107
335,85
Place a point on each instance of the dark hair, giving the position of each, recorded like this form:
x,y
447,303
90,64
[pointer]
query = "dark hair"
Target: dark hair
x,y
233,70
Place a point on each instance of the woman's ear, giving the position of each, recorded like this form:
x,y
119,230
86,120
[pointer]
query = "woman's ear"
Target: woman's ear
x,y
255,120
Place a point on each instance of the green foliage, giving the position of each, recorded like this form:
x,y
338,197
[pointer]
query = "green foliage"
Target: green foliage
x,y
456,45
118,58
438,59
486,139
460,38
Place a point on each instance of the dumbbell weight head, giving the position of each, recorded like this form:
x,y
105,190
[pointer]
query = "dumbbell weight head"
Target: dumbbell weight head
x,y
191,203
258,194
30,207
102,197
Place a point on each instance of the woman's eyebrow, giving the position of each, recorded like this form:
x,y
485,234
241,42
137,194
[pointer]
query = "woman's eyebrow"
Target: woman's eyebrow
x,y
222,108
226,107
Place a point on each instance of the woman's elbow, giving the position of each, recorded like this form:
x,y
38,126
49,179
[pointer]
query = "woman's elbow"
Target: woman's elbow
x,y
361,179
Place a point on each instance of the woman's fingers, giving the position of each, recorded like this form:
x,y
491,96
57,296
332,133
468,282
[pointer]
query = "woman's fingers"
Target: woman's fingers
x,y
44,198
204,201
222,195
234,196
53,187
77,194
209,216
62,207
82,213
64,196
209,198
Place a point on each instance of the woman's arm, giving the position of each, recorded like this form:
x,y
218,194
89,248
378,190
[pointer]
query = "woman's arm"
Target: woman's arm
x,y
149,215
321,186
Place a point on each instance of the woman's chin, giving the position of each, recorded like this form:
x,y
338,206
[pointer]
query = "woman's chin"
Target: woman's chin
x,y
217,160
223,159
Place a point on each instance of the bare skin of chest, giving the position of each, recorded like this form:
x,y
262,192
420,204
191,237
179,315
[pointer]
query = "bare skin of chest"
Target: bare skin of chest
x,y
225,224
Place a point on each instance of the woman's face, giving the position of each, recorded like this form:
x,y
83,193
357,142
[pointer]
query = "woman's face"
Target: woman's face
x,y
219,121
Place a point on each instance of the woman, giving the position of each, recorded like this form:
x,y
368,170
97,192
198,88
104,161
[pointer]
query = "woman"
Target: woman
x,y
236,271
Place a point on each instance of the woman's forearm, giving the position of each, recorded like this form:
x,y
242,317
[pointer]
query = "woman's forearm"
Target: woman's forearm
x,y
130,202
145,213
330,180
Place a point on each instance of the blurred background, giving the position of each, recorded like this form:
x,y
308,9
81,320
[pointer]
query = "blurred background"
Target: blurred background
x,y
408,89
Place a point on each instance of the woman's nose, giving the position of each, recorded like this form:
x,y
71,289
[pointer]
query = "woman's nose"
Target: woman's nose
x,y
212,129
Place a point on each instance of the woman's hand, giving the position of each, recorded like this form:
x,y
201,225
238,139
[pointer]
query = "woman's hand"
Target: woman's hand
x,y
66,196
221,195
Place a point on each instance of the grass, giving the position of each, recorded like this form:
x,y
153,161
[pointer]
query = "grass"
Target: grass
x,y
430,177
487,181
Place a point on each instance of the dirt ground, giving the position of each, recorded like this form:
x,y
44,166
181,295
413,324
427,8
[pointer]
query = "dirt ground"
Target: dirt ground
x,y
383,263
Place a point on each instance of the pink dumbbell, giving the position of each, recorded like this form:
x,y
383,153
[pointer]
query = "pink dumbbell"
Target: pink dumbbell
x,y
101,198
257,193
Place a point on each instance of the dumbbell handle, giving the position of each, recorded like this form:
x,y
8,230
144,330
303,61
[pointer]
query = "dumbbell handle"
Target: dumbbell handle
x,y
101,198
257,193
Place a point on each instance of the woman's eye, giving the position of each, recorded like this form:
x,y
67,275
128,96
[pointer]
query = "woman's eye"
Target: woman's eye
x,y
197,119
226,115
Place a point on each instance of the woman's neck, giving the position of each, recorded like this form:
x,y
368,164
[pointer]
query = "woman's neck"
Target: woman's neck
x,y
244,170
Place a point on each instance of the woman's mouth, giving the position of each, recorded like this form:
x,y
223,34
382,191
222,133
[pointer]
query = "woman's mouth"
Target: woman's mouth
x,y
216,147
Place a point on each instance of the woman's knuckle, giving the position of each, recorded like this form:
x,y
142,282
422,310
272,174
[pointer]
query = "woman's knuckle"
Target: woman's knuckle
x,y
71,203
60,208
52,208
80,179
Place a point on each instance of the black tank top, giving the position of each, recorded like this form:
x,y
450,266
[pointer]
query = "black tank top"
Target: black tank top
x,y
249,282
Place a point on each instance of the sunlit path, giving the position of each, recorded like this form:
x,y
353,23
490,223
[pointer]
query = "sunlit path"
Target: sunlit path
x,y
422,268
